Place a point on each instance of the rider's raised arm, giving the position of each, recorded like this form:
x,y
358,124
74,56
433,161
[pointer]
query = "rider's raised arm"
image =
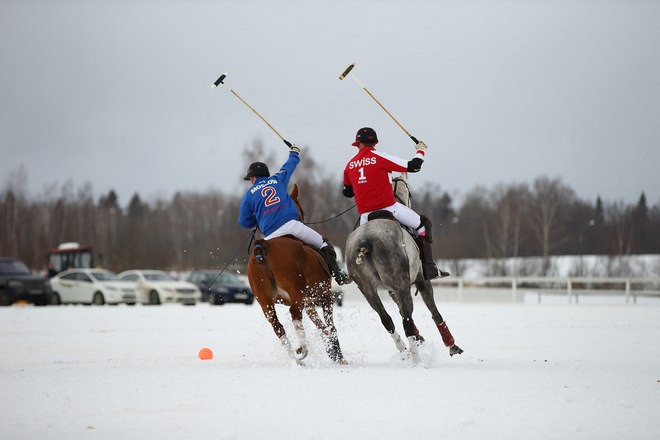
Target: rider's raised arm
x,y
289,166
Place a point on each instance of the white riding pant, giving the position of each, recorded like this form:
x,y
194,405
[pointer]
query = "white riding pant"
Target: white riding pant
x,y
402,213
301,231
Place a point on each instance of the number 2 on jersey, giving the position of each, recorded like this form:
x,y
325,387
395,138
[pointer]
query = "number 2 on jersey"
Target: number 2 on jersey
x,y
270,195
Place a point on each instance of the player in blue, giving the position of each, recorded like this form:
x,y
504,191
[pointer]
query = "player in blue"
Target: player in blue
x,y
267,204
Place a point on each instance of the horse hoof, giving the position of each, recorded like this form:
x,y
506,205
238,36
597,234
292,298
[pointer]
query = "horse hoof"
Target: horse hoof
x,y
301,353
455,349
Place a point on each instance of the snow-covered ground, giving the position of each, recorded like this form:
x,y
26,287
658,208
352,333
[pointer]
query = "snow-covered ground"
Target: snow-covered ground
x,y
529,371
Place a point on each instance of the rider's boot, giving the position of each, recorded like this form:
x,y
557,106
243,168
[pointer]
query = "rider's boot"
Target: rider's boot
x,y
330,257
429,269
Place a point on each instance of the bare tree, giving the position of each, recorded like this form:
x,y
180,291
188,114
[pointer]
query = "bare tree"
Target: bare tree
x,y
620,218
199,229
509,206
549,196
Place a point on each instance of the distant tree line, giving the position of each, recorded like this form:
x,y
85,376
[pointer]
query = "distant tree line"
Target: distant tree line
x,y
199,230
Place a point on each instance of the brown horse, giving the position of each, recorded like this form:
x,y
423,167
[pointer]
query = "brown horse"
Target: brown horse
x,y
285,271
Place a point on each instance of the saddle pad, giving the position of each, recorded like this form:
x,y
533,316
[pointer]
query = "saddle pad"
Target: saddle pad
x,y
381,214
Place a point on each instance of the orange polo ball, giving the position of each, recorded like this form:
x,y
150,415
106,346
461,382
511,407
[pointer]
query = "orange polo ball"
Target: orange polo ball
x,y
205,354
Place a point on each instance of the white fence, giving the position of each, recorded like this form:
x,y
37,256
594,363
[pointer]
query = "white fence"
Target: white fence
x,y
573,287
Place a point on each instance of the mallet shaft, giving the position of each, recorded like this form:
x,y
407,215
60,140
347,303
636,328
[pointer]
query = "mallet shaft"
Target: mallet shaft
x,y
257,113
347,71
391,116
221,79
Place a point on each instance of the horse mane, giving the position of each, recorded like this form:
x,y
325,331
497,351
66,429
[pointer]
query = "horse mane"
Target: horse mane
x,y
402,190
294,196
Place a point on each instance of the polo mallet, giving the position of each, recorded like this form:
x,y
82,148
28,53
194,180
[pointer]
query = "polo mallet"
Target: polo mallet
x,y
347,71
221,81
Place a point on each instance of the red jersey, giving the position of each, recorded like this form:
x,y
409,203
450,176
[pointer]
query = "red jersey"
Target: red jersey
x,y
369,173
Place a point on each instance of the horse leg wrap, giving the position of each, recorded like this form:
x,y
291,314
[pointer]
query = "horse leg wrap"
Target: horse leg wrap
x,y
300,331
414,352
287,345
419,338
398,342
447,337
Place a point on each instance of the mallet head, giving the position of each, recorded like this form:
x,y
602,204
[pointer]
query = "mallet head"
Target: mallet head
x,y
220,80
346,72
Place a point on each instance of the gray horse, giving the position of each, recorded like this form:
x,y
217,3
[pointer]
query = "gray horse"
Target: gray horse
x,y
381,254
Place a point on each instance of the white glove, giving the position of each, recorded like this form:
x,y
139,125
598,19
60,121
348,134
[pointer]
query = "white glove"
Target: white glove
x,y
421,146
294,148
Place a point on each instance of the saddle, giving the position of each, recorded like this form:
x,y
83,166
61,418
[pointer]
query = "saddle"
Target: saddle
x,y
383,214
327,254
423,243
260,247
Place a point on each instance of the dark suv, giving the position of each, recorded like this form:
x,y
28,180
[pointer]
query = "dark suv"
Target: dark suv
x,y
226,287
17,283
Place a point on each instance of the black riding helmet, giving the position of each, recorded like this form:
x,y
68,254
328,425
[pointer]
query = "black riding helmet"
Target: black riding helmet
x,y
257,169
366,135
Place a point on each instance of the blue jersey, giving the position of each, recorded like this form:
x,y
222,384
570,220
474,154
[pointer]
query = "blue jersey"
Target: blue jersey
x,y
267,203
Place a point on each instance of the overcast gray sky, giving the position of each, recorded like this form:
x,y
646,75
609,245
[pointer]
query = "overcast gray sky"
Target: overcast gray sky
x,y
117,92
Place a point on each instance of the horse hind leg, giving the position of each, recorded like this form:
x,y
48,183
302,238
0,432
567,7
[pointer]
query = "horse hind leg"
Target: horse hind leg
x,y
296,316
334,350
426,290
418,337
327,330
301,351
278,328
412,333
374,301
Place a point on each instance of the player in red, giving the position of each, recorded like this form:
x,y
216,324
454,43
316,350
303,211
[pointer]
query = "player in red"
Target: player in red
x,y
368,178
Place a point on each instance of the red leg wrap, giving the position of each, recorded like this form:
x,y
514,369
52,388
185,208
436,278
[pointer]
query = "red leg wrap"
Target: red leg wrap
x,y
447,337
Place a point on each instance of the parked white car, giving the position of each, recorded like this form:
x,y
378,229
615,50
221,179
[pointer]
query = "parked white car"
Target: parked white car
x,y
157,287
91,286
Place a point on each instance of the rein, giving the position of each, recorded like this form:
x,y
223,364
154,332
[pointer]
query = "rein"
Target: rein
x,y
251,238
331,218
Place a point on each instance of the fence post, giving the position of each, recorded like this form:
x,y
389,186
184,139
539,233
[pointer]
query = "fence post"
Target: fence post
x,y
514,288
569,290
460,289
628,292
